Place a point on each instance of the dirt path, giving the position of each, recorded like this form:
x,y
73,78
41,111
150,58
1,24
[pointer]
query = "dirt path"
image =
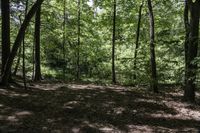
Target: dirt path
x,y
63,108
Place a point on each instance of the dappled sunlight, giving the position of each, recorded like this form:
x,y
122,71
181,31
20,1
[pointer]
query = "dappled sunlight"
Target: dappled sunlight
x,y
98,87
176,94
153,129
47,86
101,127
70,104
94,108
23,113
100,66
146,100
83,87
10,93
119,110
198,94
108,104
183,111
1,105
12,119
75,130
137,128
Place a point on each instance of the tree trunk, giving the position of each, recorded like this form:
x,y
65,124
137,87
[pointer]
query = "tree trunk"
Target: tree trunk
x,y
64,37
18,41
187,33
23,49
191,67
187,30
37,76
113,43
5,13
78,45
154,81
137,41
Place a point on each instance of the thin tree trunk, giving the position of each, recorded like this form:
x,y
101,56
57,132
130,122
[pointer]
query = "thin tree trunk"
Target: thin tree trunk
x,y
78,45
23,50
64,37
5,13
18,41
33,58
154,81
137,41
187,33
113,43
23,63
187,30
37,76
191,67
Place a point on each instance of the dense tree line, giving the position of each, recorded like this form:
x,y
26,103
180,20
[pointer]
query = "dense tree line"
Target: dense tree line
x,y
91,39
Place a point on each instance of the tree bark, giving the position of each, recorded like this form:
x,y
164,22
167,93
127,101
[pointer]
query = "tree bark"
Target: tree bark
x,y
187,30
5,13
154,81
137,41
191,66
23,49
113,43
37,73
18,41
187,33
78,44
64,36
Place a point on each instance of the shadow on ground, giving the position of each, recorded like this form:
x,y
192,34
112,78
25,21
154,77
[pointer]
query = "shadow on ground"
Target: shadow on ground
x,y
63,108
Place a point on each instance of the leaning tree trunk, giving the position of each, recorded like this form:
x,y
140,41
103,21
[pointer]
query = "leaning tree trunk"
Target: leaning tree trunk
x,y
18,41
154,82
137,40
37,76
5,13
113,43
191,66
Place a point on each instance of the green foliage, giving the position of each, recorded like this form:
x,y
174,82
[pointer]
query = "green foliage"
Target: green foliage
x,y
96,31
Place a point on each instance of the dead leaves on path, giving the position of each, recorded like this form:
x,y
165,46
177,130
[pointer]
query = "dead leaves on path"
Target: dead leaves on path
x,y
65,108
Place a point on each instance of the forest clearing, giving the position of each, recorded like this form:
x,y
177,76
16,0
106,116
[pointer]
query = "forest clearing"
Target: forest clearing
x,y
74,108
99,66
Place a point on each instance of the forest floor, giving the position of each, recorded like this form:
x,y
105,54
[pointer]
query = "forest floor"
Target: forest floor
x,y
88,108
